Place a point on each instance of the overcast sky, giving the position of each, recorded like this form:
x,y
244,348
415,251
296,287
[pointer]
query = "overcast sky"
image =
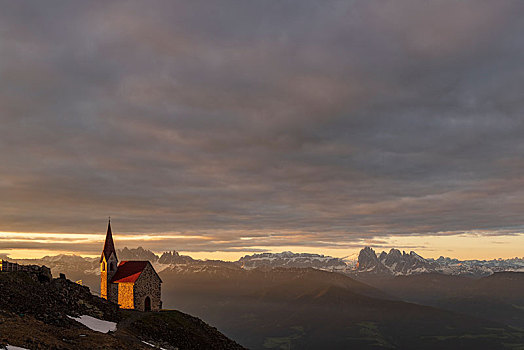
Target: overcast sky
x,y
237,126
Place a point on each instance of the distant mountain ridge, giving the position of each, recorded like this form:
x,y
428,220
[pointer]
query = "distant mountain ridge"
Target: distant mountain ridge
x,y
393,263
289,259
170,257
401,263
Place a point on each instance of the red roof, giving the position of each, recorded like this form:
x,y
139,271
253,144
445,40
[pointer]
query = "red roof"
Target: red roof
x,y
129,271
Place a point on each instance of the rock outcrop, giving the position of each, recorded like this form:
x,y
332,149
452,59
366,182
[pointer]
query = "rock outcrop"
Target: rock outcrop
x,y
36,313
394,262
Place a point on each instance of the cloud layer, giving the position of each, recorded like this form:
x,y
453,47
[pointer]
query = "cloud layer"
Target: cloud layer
x,y
262,123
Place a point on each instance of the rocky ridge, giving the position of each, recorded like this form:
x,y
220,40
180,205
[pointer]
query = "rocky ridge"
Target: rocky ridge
x,y
35,313
289,259
392,263
402,263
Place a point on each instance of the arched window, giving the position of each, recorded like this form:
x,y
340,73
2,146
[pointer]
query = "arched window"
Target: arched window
x,y
103,266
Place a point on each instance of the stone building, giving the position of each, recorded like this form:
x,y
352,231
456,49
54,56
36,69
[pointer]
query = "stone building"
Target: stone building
x,y
42,273
130,284
6,266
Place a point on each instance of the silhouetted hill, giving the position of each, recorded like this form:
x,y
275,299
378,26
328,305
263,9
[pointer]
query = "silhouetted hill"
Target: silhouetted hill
x,y
36,314
499,297
312,309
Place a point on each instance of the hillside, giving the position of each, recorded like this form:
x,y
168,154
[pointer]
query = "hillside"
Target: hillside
x,y
290,307
312,309
498,297
37,314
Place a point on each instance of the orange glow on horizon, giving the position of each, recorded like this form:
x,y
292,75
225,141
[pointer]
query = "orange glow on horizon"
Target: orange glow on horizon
x,y
463,246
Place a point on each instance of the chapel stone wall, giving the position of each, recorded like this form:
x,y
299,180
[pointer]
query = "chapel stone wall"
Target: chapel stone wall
x,y
148,284
126,296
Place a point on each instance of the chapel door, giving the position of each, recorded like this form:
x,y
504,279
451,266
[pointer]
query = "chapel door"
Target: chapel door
x,y
147,304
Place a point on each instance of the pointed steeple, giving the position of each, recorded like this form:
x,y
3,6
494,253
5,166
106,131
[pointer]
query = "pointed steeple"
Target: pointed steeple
x,y
109,246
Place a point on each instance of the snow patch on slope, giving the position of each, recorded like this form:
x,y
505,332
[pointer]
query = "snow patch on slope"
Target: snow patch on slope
x,y
95,324
12,347
153,345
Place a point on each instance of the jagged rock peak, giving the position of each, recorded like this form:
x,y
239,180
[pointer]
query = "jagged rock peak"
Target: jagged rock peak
x,y
395,262
174,257
367,259
367,251
136,254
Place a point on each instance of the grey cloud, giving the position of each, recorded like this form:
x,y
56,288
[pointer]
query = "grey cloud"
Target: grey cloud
x,y
336,120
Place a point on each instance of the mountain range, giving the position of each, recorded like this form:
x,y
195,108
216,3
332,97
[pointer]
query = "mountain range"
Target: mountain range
x,y
393,300
289,259
401,263
393,263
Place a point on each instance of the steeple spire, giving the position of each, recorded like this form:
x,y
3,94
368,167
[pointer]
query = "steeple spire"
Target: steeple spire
x,y
109,246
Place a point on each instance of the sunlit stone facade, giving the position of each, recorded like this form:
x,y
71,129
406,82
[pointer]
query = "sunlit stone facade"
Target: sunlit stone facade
x,y
130,284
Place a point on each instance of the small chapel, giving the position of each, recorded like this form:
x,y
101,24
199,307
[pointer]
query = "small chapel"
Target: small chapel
x,y
130,284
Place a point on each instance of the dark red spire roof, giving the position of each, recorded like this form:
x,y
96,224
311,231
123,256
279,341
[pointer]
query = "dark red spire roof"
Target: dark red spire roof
x,y
109,246
129,271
